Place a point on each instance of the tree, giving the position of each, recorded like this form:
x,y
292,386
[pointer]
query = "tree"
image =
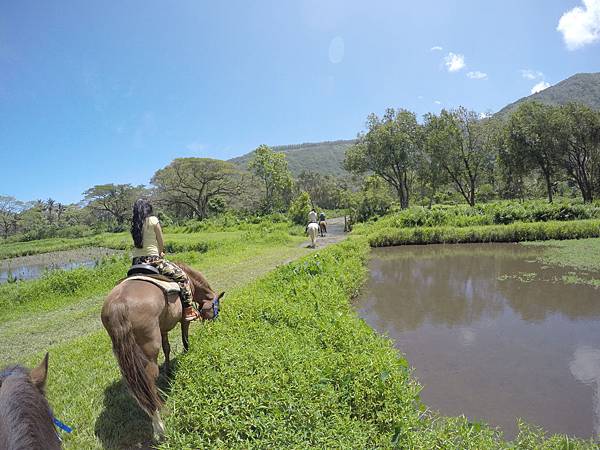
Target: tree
x,y
581,157
324,190
197,184
113,201
9,210
60,210
272,169
535,138
457,140
300,208
389,148
50,209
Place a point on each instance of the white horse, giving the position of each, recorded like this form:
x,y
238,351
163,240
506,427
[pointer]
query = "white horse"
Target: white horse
x,y
313,232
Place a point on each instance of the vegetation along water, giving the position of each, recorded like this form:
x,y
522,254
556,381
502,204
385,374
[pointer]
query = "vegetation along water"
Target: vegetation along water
x,y
494,332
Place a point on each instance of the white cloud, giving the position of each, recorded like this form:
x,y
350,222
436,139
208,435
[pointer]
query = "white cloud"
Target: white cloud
x,y
420,97
454,62
477,75
437,102
529,74
581,25
484,115
540,87
436,48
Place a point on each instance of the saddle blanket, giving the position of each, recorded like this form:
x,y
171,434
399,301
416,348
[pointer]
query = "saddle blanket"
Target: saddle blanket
x,y
169,287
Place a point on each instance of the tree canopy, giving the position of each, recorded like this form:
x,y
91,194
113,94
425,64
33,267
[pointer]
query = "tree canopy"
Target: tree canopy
x,y
196,185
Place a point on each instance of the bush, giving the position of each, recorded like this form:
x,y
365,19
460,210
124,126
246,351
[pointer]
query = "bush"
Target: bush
x,y
300,208
515,232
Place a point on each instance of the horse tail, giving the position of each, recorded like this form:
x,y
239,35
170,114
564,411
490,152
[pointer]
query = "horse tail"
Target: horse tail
x,y
132,360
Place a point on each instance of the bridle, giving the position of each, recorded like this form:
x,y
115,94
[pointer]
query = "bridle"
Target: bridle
x,y
6,373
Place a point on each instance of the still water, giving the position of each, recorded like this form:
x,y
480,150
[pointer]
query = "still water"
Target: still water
x,y
491,333
34,266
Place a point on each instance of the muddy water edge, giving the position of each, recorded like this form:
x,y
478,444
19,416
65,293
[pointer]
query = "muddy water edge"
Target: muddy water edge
x,y
33,266
492,333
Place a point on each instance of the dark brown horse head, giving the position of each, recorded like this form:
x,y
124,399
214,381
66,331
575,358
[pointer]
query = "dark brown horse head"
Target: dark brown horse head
x,y
203,295
25,416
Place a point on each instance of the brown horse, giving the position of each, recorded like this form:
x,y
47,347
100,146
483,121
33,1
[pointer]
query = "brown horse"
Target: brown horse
x,y
138,316
322,228
25,416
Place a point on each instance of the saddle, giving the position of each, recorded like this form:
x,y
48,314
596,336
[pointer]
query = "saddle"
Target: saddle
x,y
146,272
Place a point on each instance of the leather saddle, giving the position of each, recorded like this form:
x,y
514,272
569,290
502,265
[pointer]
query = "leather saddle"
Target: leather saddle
x,y
142,269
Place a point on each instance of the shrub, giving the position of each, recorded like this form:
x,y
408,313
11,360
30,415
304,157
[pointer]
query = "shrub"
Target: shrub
x,y
515,232
300,208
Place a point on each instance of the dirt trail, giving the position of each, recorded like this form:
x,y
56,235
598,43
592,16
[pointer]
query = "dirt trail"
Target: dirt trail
x,y
335,234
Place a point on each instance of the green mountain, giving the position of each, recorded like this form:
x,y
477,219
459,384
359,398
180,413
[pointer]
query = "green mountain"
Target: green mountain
x,y
327,157
321,157
583,88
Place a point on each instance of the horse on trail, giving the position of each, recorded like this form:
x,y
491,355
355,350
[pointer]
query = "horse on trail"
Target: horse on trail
x,y
313,231
25,417
322,228
138,316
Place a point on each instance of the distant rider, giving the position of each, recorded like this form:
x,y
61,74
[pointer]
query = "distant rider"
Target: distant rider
x,y
322,217
149,249
312,216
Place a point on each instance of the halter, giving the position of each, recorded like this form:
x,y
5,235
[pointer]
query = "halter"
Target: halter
x,y
13,370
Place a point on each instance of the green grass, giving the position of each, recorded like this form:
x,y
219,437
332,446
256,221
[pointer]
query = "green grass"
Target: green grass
x,y
13,249
516,232
85,386
289,365
583,254
493,213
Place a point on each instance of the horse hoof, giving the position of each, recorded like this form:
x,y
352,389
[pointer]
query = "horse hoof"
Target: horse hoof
x,y
158,427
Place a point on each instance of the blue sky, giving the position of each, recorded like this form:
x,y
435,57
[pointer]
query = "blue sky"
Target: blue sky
x,y
98,92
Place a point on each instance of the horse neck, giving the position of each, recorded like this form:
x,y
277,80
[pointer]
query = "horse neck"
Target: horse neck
x,y
196,278
25,416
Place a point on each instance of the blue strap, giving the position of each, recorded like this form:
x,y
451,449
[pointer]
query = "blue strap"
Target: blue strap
x,y
61,425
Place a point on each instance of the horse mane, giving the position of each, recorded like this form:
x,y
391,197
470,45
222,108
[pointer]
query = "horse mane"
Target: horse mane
x,y
195,276
25,415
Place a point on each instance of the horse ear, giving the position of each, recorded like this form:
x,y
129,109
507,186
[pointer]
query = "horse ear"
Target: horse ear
x,y
221,295
40,373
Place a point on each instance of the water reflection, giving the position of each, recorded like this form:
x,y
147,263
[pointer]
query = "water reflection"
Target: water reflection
x,y
491,333
585,367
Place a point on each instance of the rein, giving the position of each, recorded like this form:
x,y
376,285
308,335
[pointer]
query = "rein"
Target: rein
x,y
12,371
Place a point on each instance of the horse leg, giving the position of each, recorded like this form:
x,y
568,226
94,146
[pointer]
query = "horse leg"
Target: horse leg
x,y
185,335
166,350
151,349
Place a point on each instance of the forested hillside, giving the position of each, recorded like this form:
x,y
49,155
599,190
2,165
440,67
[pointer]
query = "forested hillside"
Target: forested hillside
x,y
581,88
321,157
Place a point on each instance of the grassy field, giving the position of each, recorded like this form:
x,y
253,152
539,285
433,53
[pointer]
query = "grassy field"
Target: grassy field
x,y
287,365
514,232
492,213
60,313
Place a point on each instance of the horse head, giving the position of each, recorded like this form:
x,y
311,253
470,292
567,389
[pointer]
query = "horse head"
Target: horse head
x,y
208,301
25,410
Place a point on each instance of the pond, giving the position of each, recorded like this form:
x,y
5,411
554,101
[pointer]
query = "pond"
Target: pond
x,y
491,333
33,266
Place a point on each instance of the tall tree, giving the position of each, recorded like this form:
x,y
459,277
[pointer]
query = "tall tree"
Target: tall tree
x,y
50,209
457,140
113,201
581,157
271,169
536,138
389,148
196,183
9,210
